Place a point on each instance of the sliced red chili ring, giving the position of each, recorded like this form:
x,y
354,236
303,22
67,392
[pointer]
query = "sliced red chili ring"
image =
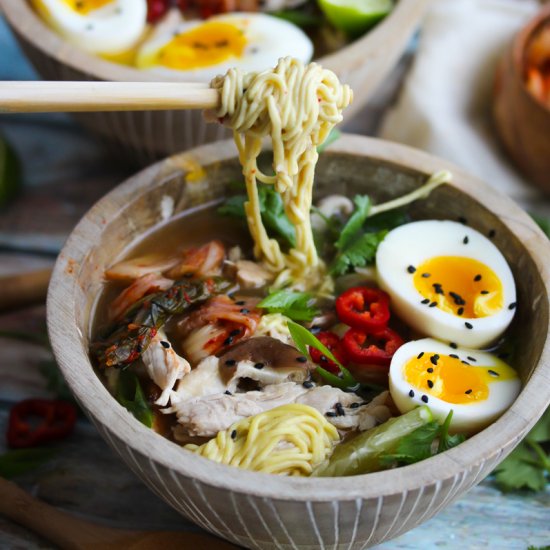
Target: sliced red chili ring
x,y
364,308
37,421
334,344
376,348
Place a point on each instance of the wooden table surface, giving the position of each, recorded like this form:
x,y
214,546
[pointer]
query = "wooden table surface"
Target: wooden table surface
x,y
65,171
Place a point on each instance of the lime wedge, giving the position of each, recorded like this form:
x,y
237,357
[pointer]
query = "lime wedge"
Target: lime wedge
x,y
355,16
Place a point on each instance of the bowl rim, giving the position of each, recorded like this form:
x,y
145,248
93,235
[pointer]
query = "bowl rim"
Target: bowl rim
x,y
67,344
28,23
519,48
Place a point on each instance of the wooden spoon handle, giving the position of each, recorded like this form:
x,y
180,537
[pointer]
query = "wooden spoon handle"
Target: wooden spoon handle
x,y
24,289
69,532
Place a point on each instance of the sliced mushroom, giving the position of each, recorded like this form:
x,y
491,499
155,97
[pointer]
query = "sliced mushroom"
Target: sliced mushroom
x,y
251,274
333,205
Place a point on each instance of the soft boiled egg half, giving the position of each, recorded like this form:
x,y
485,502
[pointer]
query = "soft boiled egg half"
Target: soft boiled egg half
x,y
477,386
106,27
448,281
204,49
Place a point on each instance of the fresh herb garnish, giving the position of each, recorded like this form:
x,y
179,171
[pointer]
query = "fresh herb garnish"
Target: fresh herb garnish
x,y
419,444
358,254
272,211
355,222
333,136
297,306
303,338
130,395
528,465
20,461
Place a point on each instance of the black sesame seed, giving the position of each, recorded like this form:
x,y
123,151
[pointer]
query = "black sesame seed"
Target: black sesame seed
x,y
466,240
411,269
308,384
424,398
259,366
433,304
477,277
426,275
244,311
330,414
465,363
472,359
165,344
438,288
425,301
453,345
454,355
240,303
468,325
484,292
460,311
301,359
463,220
234,434
235,332
411,393
430,370
434,359
227,392
468,392
512,305
430,384
355,405
493,373
340,409
492,233
230,362
420,355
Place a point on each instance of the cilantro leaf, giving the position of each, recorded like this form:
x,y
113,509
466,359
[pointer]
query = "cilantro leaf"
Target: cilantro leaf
x,y
520,471
447,441
233,206
354,224
20,461
541,430
294,305
130,395
361,252
303,338
333,136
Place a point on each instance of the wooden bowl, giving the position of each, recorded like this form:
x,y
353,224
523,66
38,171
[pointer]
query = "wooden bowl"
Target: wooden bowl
x,y
522,122
267,511
145,136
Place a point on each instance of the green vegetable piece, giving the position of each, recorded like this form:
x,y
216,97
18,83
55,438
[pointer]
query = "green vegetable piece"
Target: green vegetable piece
x,y
233,206
361,454
294,305
356,221
10,173
20,461
520,470
359,253
130,395
303,338
333,136
354,17
541,430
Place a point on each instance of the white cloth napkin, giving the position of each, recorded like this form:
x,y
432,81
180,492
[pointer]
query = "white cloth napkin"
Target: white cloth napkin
x,y
445,103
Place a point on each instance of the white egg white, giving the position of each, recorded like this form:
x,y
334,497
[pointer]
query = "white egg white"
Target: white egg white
x,y
109,30
268,38
467,418
416,242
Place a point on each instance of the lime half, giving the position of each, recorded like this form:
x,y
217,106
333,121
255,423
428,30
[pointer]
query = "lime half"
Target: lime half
x,y
355,16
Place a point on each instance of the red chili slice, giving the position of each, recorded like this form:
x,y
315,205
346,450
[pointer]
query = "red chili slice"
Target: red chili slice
x,y
376,348
37,421
334,344
364,308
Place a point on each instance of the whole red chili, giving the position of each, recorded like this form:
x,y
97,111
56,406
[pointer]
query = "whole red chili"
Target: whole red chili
x,y
376,348
364,308
334,344
37,421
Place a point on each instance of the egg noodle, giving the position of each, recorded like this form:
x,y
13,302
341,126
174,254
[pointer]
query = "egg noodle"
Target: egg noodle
x,y
296,105
291,439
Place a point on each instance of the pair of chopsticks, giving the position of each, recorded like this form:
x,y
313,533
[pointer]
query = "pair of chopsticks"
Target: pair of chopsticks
x,y
70,97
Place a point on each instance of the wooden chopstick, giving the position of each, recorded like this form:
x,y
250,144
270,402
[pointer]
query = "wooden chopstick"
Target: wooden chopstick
x,y
49,96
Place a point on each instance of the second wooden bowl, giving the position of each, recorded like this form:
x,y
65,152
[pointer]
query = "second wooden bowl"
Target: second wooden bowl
x,y
267,511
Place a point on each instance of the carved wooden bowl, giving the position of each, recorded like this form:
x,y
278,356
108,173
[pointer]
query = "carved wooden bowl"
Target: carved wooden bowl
x,y
146,136
268,511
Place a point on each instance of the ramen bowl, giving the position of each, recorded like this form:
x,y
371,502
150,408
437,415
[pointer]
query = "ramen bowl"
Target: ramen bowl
x,y
266,511
145,136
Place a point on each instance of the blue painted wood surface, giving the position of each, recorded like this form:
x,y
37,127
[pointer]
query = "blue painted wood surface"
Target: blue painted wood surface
x,y
85,477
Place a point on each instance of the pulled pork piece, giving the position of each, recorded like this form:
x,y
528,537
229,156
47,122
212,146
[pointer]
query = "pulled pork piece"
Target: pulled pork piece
x,y
206,416
146,284
130,270
164,366
206,260
204,379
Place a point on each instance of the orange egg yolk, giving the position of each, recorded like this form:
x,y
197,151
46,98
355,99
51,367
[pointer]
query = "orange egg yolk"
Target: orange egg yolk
x,y
458,285
206,45
454,379
83,7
